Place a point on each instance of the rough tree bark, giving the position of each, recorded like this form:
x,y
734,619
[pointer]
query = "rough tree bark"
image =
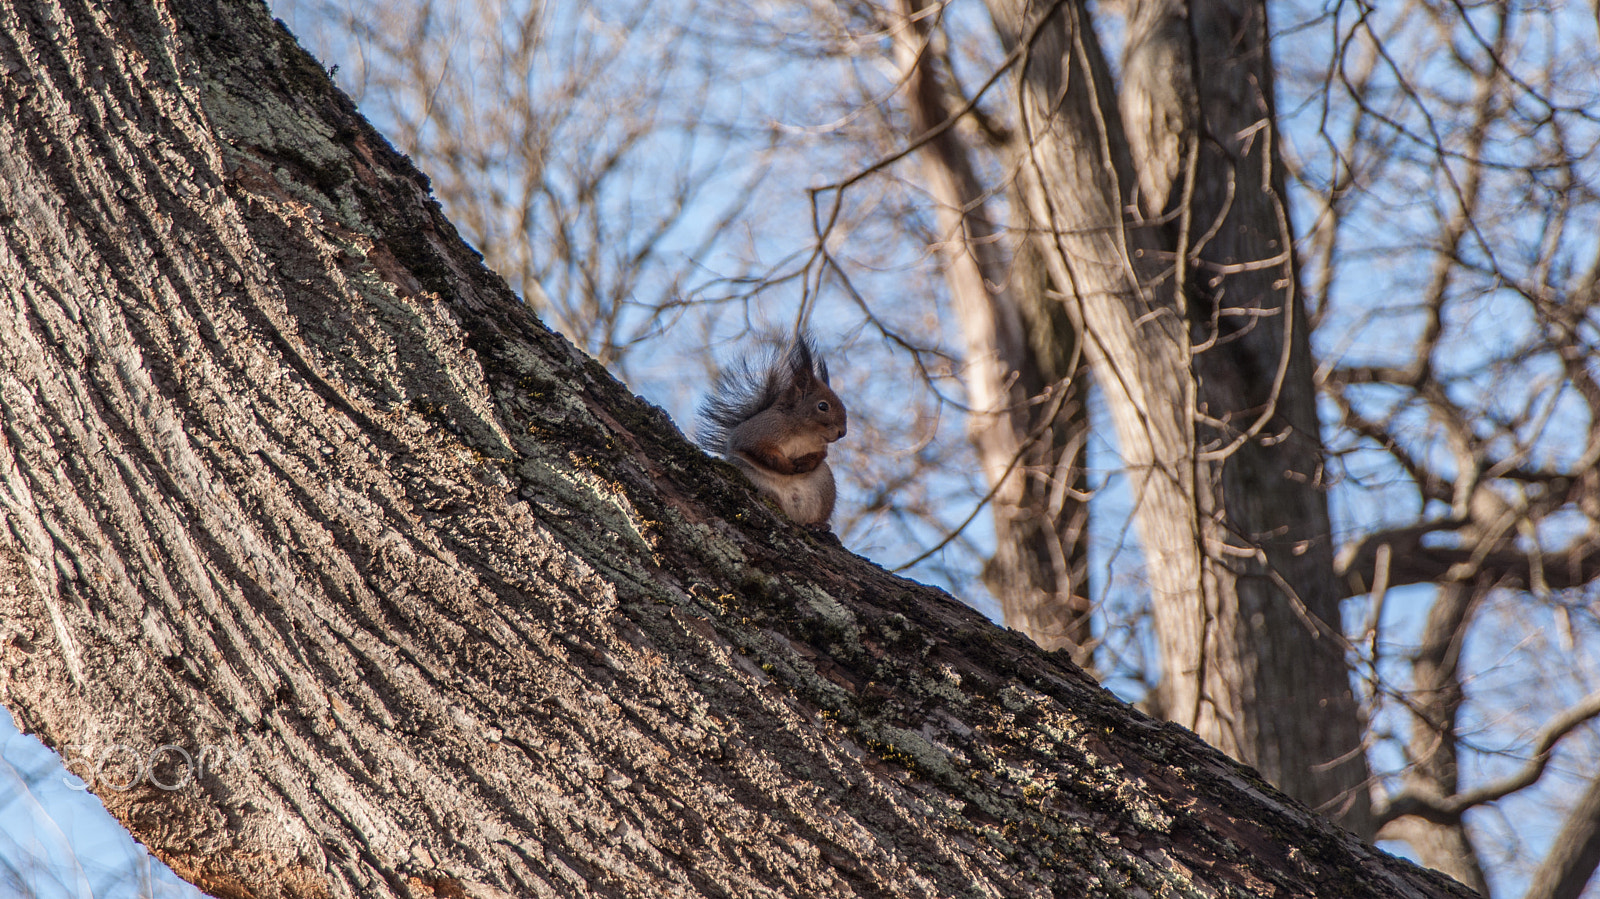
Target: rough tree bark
x,y
287,472
1202,320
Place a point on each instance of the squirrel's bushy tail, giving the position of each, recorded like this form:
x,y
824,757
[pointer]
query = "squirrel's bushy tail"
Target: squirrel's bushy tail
x,y
744,389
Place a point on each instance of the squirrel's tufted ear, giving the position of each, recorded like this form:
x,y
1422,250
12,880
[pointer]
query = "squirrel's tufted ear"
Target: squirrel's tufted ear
x,y
805,366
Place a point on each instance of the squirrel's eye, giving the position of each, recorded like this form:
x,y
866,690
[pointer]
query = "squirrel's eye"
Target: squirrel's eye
x,y
822,406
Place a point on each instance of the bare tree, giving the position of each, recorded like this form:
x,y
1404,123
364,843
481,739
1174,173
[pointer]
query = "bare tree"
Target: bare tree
x,y
1208,170
1452,140
290,472
1473,382
583,149
1236,526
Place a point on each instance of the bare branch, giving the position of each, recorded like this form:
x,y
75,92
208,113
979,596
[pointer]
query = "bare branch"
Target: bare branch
x,y
1450,808
1574,854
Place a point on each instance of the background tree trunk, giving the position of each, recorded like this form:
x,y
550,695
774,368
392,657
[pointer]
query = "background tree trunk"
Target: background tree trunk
x,y
1075,177
1058,488
292,484
1236,528
1575,853
1282,689
1442,845
1028,418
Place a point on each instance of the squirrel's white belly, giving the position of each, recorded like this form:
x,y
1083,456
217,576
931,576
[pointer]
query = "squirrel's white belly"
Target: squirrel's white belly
x,y
806,498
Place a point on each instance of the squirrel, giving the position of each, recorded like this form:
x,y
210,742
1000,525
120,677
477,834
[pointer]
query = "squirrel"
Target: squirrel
x,y
775,423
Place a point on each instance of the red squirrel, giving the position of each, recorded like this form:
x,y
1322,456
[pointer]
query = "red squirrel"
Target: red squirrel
x,y
775,423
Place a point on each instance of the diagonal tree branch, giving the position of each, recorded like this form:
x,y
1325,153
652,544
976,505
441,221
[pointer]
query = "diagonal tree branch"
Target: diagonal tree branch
x,y
1450,808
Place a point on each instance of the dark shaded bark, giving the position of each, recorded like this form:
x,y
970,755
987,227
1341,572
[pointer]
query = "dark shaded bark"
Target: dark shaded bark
x,y
289,474
1303,729
1055,545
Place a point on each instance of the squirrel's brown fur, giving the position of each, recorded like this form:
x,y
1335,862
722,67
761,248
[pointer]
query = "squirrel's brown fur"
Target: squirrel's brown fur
x,y
775,423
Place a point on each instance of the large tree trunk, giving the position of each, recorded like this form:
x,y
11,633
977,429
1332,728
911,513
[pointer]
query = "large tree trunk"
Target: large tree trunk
x,y
288,474
1052,548
1235,529
1078,180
